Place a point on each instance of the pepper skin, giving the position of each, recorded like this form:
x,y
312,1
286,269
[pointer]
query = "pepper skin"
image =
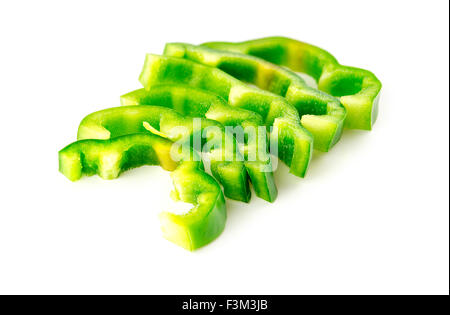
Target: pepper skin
x,y
108,158
198,103
321,114
294,141
358,89
226,164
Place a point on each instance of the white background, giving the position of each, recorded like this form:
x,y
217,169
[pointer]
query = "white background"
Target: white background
x,y
371,217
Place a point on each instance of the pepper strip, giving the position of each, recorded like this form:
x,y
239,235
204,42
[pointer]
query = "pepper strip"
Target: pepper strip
x,y
321,114
294,141
358,89
108,158
227,165
198,103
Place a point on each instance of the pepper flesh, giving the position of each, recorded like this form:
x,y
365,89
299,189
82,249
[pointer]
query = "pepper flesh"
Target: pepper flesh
x,y
358,89
108,158
294,141
226,164
321,114
197,103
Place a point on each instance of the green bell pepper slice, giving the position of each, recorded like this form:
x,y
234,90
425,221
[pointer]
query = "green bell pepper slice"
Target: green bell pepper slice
x,y
294,141
198,103
227,165
358,89
321,114
108,158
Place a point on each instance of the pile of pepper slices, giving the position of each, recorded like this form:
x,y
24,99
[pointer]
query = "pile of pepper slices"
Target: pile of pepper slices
x,y
239,104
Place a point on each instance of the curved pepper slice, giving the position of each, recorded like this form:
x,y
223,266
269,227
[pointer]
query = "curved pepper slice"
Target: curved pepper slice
x,y
321,114
198,103
358,89
108,158
226,164
294,141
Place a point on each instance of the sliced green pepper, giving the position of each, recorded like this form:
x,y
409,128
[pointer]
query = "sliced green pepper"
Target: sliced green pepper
x,y
198,103
227,165
321,114
108,158
294,141
358,89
